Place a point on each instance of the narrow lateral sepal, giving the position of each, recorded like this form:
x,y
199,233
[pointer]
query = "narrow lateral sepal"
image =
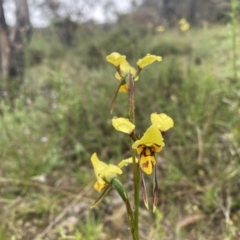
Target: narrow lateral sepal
x,y
144,191
155,191
104,193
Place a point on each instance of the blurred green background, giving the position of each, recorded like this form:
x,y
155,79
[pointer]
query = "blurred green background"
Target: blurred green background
x,y
59,115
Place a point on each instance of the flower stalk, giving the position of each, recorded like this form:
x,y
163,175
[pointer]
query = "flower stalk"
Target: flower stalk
x,y
150,143
136,172
117,185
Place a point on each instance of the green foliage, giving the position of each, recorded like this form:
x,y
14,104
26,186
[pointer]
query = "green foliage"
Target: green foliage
x,y
87,231
2,233
159,231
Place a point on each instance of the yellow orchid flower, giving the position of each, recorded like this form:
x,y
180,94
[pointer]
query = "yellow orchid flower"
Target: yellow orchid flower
x,y
183,24
184,27
123,88
151,142
160,28
116,59
125,68
148,59
182,21
162,121
123,125
104,172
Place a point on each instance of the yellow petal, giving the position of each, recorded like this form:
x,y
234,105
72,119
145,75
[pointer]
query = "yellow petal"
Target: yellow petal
x,y
157,148
123,88
117,76
99,186
111,169
125,68
184,27
115,58
125,162
182,21
110,172
150,137
160,28
147,163
140,148
162,121
148,59
98,165
123,125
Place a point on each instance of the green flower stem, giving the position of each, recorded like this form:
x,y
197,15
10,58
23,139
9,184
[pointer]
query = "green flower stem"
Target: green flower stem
x,y
131,98
136,172
136,176
131,220
120,189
